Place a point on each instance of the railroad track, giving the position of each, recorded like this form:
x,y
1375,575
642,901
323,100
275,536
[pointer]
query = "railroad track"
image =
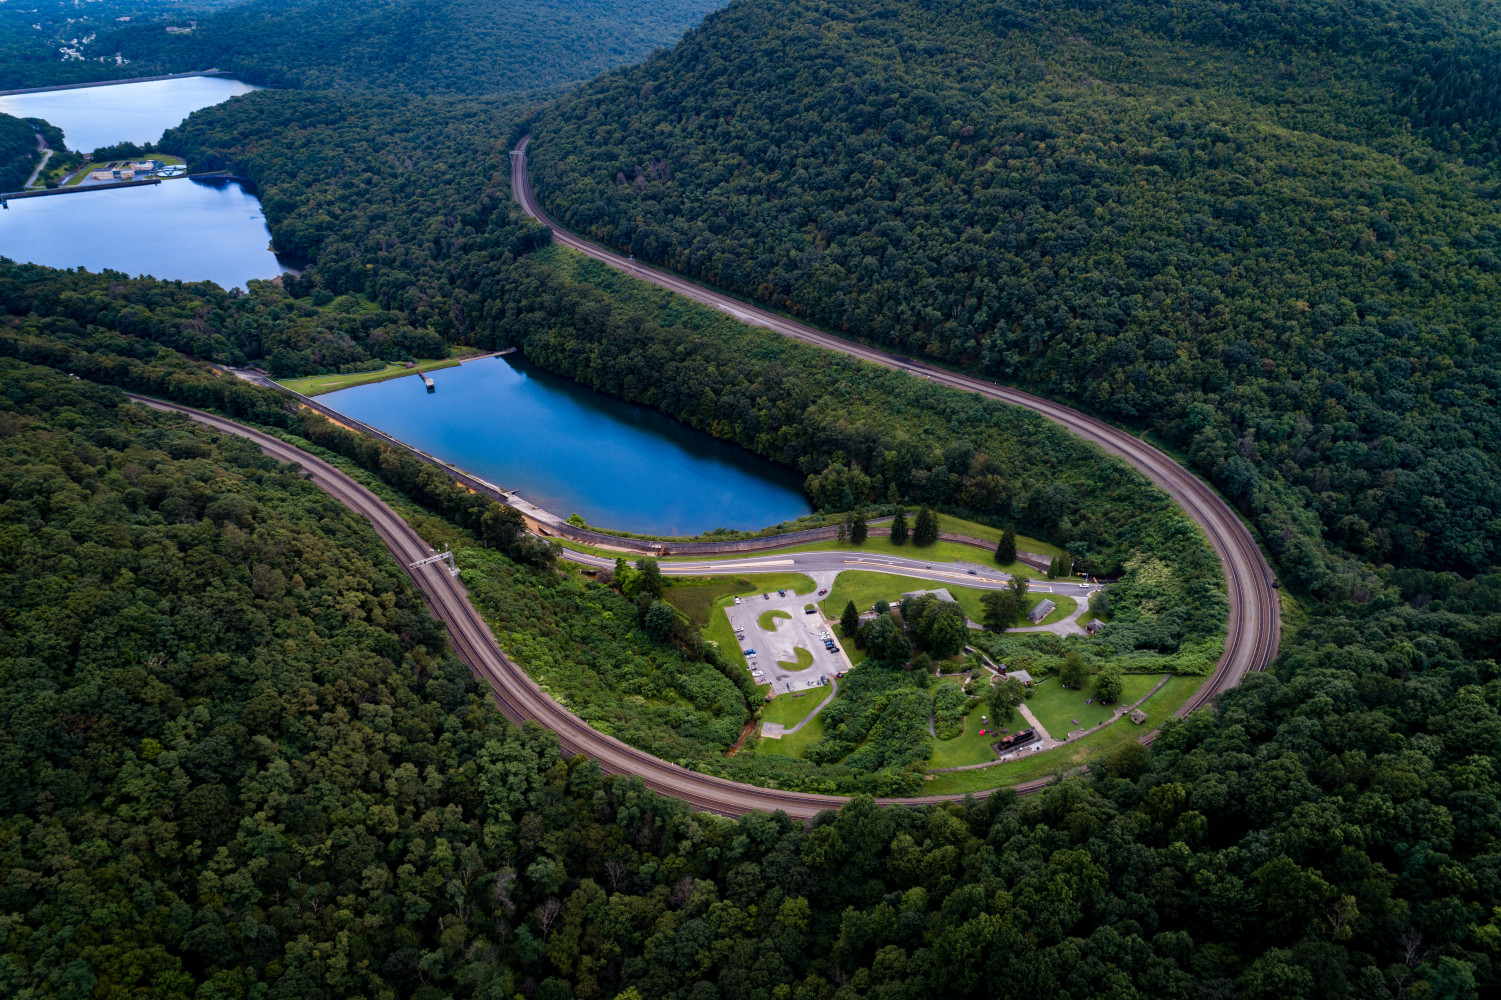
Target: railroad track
x,y
1254,617
1254,626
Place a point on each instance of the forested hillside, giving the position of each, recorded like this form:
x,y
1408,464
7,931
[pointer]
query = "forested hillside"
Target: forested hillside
x,y
18,152
810,409
237,761
1253,229
413,46
47,43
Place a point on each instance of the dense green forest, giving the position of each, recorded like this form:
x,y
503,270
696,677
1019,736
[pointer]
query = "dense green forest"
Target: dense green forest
x,y
49,43
237,759
403,46
1249,228
239,762
411,46
18,152
672,694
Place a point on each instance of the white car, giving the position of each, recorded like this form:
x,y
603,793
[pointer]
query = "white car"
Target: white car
x,y
737,600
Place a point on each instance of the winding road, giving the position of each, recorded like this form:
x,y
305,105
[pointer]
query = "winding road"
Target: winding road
x,y
1255,619
1254,616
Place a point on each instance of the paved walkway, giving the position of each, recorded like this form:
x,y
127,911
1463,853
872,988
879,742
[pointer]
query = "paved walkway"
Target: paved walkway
x,y
1068,625
46,155
775,730
1032,720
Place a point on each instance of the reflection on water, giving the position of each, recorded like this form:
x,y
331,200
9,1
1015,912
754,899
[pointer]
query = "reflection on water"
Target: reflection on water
x,y
571,450
91,117
178,229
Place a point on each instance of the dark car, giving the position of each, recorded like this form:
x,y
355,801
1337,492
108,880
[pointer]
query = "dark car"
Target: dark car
x,y
781,593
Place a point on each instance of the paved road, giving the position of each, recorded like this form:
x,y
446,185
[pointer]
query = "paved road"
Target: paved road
x,y
1255,622
41,145
517,695
823,565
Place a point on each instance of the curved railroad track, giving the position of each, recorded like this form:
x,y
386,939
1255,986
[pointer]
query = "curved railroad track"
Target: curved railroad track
x,y
1254,618
1254,628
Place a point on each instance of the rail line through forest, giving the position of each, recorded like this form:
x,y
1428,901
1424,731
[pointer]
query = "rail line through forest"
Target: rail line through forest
x,y
1254,622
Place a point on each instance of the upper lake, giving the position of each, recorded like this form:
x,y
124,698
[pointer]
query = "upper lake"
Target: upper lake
x,y
571,450
91,117
178,230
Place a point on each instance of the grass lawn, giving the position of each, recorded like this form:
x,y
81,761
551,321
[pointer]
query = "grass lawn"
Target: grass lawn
x,y
1056,706
313,385
705,604
938,552
1071,755
804,659
768,620
1066,606
866,587
790,709
971,748
958,526
795,744
698,596
1090,616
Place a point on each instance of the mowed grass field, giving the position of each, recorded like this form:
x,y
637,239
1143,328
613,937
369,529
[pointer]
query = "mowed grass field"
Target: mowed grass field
x,y
698,596
703,604
866,587
1063,710
1071,755
794,744
768,619
313,385
790,709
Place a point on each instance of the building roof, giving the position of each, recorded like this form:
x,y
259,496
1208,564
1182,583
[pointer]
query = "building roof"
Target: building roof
x,y
1044,608
1020,675
1138,716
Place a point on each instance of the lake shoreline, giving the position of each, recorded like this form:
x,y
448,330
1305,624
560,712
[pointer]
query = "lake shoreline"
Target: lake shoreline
x,y
221,73
570,449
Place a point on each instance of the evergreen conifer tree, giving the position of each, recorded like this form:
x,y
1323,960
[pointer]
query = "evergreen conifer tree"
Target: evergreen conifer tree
x,y
850,620
859,529
925,531
899,530
1005,549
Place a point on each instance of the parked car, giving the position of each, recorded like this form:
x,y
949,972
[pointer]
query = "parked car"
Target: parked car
x,y
766,596
781,593
737,600
750,652
822,592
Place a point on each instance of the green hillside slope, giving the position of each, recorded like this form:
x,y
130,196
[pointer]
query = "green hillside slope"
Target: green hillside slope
x,y
18,153
413,46
1249,229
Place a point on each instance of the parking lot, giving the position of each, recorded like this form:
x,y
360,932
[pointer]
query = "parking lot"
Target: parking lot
x,y
780,645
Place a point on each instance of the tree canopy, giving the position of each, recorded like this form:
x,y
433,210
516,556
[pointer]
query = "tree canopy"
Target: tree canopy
x,y
1252,229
